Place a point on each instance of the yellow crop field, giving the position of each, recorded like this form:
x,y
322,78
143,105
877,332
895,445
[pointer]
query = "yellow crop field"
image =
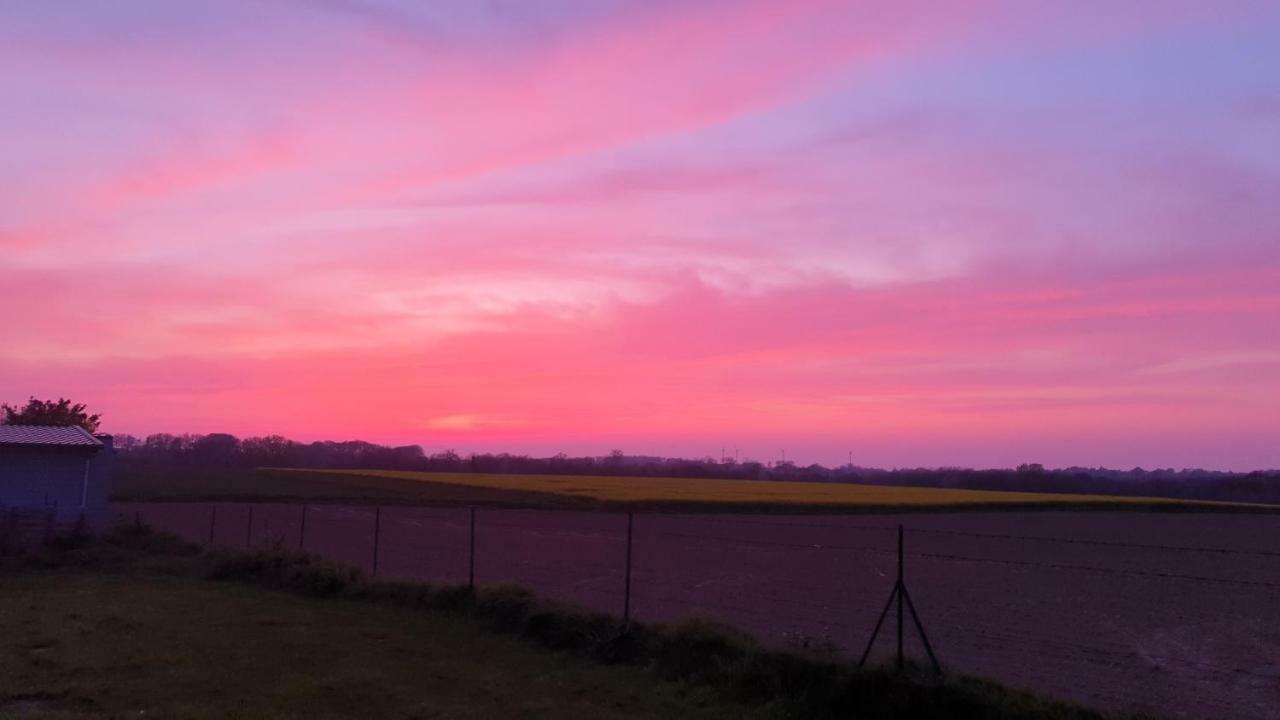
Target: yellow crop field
x,y
643,490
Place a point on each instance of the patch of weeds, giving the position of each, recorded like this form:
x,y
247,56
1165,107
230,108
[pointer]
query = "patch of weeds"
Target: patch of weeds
x,y
816,646
700,649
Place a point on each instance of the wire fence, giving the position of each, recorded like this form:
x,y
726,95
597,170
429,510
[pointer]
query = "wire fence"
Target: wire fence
x,y
1176,614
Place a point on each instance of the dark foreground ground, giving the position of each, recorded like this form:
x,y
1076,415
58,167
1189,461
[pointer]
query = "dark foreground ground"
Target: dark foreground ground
x,y
1176,614
139,624
77,644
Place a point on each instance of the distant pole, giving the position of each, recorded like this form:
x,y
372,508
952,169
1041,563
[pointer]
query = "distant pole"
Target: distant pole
x,y
626,602
213,522
899,587
471,571
377,530
248,531
302,529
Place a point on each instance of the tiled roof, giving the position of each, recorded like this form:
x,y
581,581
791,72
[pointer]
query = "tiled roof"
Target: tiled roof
x,y
47,435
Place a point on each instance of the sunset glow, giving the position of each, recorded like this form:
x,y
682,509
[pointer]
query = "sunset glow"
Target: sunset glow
x,y
924,233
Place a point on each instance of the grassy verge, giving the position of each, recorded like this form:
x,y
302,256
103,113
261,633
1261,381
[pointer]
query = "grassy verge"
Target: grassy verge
x,y
369,642
76,645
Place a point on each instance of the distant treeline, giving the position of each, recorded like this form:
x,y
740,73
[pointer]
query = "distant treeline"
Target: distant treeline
x,y
220,450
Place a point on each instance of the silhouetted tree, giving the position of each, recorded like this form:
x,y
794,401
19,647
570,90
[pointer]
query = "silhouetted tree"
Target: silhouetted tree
x,y
225,451
270,451
127,443
48,412
215,450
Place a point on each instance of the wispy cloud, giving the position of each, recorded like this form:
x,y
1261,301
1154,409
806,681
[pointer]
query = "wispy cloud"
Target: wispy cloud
x,y
949,230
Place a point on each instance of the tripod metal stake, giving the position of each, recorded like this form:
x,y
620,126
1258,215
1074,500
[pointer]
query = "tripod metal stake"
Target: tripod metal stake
x,y
903,598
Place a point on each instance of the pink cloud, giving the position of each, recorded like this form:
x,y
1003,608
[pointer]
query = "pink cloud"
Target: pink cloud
x,y
185,170
874,367
664,228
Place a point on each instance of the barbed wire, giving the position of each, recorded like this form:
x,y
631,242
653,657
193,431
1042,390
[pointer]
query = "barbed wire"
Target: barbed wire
x,y
770,543
265,523
1093,568
965,558
961,629
990,536
619,533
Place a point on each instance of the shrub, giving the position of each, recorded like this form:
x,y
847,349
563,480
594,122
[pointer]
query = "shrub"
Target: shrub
x,y
143,538
305,574
700,649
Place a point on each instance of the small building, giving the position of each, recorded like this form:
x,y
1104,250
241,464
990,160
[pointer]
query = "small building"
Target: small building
x,y
63,468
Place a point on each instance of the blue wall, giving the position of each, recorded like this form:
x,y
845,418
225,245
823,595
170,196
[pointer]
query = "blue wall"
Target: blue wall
x,y
40,477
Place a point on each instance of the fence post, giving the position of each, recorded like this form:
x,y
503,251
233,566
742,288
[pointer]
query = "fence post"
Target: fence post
x,y
213,522
626,602
899,587
901,596
471,570
248,531
302,531
377,530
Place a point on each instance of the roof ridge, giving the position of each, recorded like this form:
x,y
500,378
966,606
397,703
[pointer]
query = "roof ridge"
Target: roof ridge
x,y
48,436
84,432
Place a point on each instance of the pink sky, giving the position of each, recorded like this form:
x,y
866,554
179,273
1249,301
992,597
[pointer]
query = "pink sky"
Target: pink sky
x,y
924,233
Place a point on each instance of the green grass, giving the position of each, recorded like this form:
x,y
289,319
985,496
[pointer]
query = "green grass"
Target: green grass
x,y
115,627
75,644
141,481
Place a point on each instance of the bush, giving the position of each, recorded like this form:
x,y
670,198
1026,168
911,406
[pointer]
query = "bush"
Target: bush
x,y
305,574
700,649
142,538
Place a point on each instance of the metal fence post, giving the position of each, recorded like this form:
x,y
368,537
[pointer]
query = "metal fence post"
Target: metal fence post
x,y
901,596
899,587
471,571
626,602
213,522
248,531
377,530
302,530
